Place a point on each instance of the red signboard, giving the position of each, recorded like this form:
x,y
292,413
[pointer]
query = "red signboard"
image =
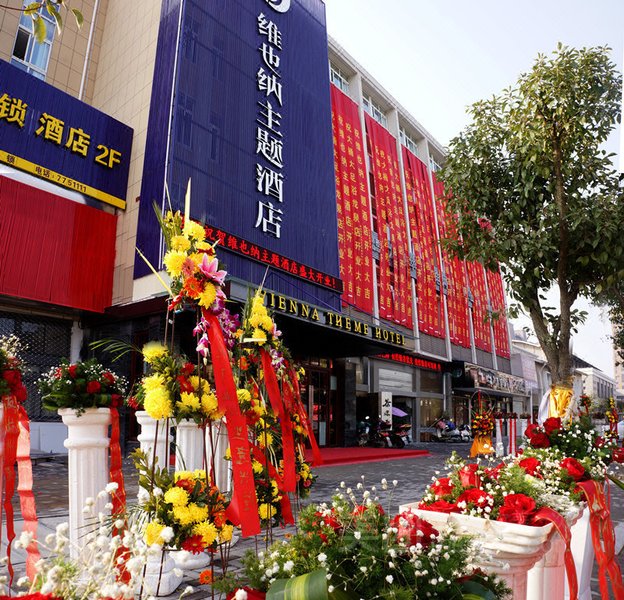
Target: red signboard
x,y
407,359
425,246
499,321
480,313
457,299
354,217
389,222
55,250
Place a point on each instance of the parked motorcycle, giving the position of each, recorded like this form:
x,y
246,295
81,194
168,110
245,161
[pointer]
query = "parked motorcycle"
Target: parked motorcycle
x,y
446,431
400,435
465,433
374,433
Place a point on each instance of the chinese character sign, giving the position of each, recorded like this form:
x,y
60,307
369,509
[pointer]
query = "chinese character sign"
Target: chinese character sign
x,y
480,312
52,135
251,127
354,225
499,321
425,246
394,286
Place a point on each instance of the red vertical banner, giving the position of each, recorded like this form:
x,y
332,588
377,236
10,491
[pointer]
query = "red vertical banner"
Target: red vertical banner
x,y
355,240
457,296
480,313
394,284
499,320
424,245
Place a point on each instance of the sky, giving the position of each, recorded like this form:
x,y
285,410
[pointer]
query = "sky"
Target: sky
x,y
437,58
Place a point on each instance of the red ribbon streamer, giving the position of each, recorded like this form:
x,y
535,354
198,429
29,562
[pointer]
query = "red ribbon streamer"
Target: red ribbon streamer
x,y
285,501
17,451
244,497
603,538
115,472
317,459
289,481
551,516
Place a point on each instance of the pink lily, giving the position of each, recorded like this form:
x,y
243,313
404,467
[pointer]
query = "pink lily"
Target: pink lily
x,y
210,268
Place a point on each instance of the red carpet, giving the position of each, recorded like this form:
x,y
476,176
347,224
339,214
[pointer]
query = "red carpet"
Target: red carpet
x,y
359,454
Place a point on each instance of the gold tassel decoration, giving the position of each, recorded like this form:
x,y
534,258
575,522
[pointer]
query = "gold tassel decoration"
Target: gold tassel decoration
x,y
560,399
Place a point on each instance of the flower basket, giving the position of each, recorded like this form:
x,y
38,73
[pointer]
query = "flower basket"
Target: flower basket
x,y
507,549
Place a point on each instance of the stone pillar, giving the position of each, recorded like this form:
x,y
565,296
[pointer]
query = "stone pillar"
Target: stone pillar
x,y
217,439
151,430
87,444
500,448
189,446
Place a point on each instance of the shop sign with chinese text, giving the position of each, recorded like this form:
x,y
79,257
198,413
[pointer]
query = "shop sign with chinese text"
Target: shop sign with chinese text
x,y
52,135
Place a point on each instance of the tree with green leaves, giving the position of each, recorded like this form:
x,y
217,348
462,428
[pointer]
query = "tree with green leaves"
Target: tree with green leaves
x,y
53,8
535,191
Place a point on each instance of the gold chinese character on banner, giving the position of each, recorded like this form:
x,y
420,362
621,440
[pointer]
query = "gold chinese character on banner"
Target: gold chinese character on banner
x,y
78,141
51,128
13,110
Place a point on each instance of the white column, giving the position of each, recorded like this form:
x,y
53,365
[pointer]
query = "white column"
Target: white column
x,y
500,449
153,430
583,553
189,446
222,467
546,580
87,444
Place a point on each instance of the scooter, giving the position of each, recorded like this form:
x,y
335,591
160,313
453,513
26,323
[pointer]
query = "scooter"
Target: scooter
x,y
465,433
400,435
446,431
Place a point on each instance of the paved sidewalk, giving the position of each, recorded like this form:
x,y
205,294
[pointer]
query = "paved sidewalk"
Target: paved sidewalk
x,y
413,475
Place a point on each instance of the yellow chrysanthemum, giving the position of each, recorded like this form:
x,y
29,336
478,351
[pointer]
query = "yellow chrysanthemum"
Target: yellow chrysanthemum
x,y
200,474
189,402
177,496
256,319
194,231
182,475
228,454
183,515
152,533
179,242
225,535
153,382
197,258
259,336
275,490
209,404
208,296
198,513
158,403
266,511
173,261
153,350
257,302
208,532
267,324
243,395
257,467
204,246
265,439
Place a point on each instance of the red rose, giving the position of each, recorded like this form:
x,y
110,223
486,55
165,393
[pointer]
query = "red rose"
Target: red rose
x,y
475,497
531,429
442,487
468,475
495,472
599,442
540,440
73,371
12,377
115,400
110,378
574,468
185,385
412,530
440,506
552,424
516,508
188,369
93,387
530,465
20,393
618,455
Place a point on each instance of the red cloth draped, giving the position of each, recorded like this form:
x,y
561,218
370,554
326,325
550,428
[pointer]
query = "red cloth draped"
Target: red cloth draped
x,y
317,459
244,507
603,538
551,516
497,300
17,450
425,245
288,445
393,282
480,314
355,240
457,297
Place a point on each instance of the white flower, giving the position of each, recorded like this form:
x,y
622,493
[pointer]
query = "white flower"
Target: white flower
x,y
143,496
322,557
357,535
167,534
330,588
111,487
389,578
157,492
289,565
240,595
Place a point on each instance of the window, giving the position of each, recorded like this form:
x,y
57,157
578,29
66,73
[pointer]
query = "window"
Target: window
x,y
28,54
338,78
184,126
408,141
434,165
375,111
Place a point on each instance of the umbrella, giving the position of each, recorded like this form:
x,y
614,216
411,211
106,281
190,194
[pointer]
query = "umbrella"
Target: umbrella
x,y
397,412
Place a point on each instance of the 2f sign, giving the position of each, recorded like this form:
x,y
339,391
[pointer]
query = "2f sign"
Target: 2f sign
x,y
280,6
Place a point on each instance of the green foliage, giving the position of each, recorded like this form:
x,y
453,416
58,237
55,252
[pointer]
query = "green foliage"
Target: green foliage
x,y
535,190
53,8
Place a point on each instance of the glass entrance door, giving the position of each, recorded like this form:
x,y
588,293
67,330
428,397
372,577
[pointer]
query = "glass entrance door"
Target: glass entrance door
x,y
316,395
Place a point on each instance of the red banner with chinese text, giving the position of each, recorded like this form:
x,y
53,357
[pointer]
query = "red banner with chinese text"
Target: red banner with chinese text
x,y
355,240
480,314
457,296
393,282
499,319
425,245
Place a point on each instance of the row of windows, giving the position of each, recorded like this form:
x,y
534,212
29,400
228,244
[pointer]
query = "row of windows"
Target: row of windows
x,y
28,54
